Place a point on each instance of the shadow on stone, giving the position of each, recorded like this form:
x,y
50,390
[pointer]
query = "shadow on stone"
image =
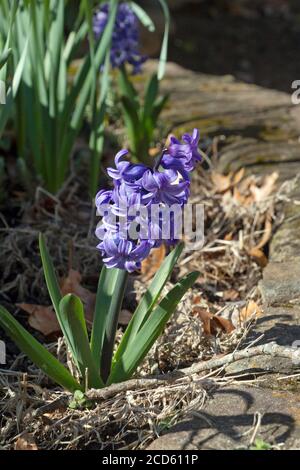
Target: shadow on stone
x,y
228,421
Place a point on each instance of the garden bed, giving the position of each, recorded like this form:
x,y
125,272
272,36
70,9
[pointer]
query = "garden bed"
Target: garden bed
x,y
212,320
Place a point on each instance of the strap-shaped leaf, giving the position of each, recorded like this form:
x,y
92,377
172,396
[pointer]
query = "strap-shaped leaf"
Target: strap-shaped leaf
x,y
165,43
150,96
132,123
110,293
150,331
147,303
4,57
55,293
72,316
126,88
159,105
39,355
143,16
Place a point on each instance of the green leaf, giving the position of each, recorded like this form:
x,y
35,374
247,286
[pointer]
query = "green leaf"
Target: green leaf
x,y
4,57
132,123
80,93
111,288
37,353
19,70
159,105
148,301
150,331
72,316
49,273
126,87
150,96
143,16
164,48
55,294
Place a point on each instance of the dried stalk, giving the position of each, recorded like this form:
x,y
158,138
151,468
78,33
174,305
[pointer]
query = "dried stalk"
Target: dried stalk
x,y
269,349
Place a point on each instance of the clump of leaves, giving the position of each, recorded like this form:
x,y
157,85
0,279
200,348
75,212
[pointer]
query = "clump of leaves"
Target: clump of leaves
x,y
96,364
141,114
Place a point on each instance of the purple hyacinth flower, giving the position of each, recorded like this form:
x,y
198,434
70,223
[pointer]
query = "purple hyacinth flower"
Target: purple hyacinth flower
x,y
124,254
144,208
125,38
125,170
163,188
183,156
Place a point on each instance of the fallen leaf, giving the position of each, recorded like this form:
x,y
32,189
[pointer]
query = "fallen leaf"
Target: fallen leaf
x,y
256,252
196,299
71,285
267,233
250,312
151,264
242,198
228,237
259,257
230,295
205,317
225,182
213,324
26,442
220,323
41,318
266,189
238,176
221,182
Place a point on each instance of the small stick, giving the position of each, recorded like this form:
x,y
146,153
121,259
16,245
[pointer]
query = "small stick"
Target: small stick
x,y
269,349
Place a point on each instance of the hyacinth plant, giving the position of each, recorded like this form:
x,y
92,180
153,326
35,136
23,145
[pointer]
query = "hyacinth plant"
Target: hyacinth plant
x,y
98,365
140,115
49,106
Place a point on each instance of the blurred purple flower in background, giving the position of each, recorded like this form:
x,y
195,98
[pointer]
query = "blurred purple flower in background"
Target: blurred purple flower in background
x,y
125,39
133,220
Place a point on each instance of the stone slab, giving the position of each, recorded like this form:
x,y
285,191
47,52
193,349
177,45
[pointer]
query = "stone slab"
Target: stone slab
x,y
227,421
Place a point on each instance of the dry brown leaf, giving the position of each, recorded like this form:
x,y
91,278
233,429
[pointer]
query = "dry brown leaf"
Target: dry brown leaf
x,y
258,256
221,182
71,285
238,176
267,188
213,324
256,252
151,264
228,237
41,318
221,324
26,442
205,317
224,183
242,198
250,312
230,295
196,299
267,233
